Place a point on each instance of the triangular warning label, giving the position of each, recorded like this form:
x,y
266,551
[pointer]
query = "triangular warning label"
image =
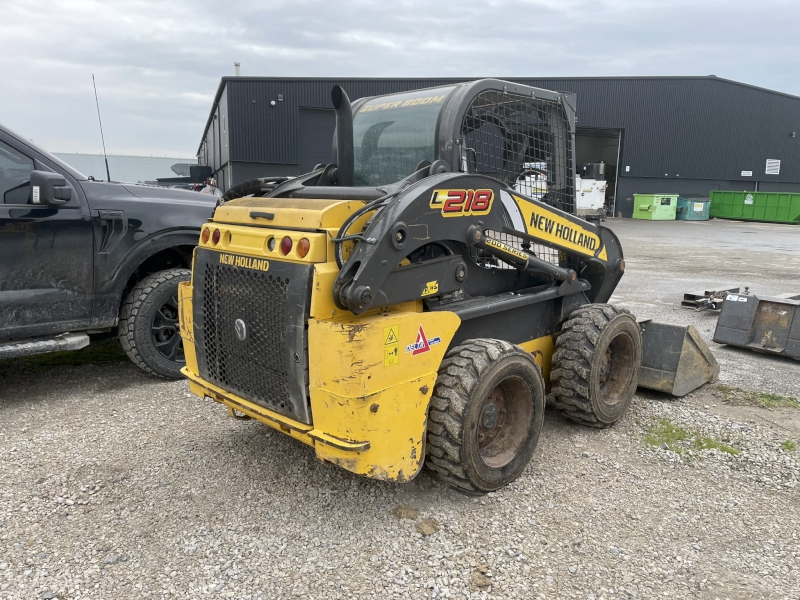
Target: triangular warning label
x,y
422,343
391,338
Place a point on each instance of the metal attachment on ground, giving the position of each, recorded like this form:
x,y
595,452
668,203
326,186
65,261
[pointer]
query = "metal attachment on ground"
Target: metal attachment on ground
x,y
761,323
707,299
675,359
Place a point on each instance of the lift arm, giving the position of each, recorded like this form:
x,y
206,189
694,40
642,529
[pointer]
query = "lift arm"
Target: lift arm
x,y
456,210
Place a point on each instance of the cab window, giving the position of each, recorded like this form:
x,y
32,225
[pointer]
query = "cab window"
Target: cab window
x,y
15,176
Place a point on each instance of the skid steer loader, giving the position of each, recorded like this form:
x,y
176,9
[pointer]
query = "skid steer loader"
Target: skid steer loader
x,y
408,303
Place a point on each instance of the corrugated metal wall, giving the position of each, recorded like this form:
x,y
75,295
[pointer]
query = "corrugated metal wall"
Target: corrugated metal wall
x,y
693,127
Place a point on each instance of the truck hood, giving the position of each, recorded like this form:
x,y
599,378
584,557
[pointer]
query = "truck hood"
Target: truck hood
x,y
153,208
169,194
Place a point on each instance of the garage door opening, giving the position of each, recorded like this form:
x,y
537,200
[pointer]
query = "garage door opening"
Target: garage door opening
x,y
596,162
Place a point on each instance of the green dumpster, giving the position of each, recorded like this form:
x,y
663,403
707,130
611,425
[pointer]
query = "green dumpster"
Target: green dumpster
x,y
773,207
655,207
693,208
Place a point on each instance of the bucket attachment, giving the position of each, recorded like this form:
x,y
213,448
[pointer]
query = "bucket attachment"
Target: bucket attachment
x,y
675,359
766,324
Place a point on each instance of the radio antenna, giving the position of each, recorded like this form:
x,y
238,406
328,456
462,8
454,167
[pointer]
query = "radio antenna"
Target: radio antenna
x,y
102,137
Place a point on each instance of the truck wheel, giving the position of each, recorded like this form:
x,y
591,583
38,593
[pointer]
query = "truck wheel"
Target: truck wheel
x,y
148,324
596,364
485,415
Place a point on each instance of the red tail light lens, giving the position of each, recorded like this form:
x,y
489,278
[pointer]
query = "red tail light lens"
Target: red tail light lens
x,y
303,246
215,237
205,235
286,245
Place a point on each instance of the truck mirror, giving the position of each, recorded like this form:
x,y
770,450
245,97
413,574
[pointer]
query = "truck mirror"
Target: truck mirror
x,y
49,188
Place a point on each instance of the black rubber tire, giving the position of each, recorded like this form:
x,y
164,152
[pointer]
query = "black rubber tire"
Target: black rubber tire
x,y
137,319
595,368
470,377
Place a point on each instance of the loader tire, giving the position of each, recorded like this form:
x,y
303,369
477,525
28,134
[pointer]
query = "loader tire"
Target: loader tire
x,y
148,324
595,368
485,415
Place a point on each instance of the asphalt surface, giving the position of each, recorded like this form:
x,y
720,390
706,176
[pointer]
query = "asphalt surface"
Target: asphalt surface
x,y
117,485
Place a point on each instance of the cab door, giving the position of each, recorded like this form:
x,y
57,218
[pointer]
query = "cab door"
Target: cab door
x,y
46,252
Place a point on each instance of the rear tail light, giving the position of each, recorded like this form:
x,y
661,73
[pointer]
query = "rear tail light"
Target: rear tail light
x,y
286,245
303,246
205,235
215,237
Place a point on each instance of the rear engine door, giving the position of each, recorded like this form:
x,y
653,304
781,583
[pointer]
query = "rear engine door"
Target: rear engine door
x,y
46,252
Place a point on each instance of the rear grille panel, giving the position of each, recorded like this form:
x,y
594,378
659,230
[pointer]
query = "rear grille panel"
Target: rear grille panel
x,y
269,366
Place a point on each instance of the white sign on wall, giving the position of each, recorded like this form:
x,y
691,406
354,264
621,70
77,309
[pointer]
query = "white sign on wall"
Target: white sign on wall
x,y
747,173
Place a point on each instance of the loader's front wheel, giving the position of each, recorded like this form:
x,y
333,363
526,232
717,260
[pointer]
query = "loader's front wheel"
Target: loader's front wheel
x,y
595,368
485,415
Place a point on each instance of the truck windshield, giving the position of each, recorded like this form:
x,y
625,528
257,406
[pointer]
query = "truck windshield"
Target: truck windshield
x,y
393,134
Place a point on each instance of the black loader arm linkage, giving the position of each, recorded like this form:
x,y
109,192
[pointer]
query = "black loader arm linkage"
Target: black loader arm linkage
x,y
454,211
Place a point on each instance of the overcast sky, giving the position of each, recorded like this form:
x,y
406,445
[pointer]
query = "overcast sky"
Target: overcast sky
x,y
158,63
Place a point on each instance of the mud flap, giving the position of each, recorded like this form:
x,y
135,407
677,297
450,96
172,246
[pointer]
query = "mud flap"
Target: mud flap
x,y
675,359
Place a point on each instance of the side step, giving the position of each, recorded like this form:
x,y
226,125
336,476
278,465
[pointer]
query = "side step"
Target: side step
x,y
59,343
675,359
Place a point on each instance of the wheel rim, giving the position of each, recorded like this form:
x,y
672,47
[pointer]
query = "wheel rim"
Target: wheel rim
x,y
504,422
616,369
165,331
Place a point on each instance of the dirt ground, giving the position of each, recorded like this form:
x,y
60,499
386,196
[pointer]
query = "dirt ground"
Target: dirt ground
x,y
117,485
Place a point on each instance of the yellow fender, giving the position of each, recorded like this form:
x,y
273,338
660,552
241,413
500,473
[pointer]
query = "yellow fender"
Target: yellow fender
x,y
370,380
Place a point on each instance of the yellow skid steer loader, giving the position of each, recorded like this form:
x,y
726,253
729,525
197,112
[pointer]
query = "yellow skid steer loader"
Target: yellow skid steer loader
x,y
409,303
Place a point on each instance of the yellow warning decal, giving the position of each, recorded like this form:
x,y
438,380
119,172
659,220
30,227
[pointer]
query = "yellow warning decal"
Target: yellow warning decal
x,y
391,345
431,288
555,229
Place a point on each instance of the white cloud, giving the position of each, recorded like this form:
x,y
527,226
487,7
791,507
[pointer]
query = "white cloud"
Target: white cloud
x,y
158,64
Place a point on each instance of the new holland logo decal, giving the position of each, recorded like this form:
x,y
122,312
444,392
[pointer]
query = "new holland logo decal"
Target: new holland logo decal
x,y
423,343
246,262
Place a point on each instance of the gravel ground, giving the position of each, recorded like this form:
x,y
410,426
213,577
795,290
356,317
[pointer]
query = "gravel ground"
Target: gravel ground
x,y
116,485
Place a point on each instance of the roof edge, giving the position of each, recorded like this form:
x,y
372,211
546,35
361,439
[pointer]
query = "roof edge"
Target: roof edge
x,y
224,81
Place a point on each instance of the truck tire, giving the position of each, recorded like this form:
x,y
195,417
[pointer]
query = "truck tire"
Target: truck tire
x,y
595,368
148,324
485,415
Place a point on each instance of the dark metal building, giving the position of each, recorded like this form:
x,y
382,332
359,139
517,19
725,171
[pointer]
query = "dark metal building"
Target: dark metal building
x,y
655,134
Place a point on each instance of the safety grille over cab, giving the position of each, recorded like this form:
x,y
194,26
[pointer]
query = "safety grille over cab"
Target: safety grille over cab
x,y
250,332
526,142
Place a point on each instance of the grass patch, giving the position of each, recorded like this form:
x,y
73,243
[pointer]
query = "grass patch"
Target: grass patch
x,y
789,446
665,432
707,443
678,439
736,396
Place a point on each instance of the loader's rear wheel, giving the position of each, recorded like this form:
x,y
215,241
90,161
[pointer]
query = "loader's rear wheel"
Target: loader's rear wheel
x,y
485,415
595,367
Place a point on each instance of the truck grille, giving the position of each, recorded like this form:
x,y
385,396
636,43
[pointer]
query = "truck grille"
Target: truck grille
x,y
250,331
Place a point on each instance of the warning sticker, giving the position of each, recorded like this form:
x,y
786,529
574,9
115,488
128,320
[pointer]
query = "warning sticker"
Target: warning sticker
x,y
423,343
391,345
431,288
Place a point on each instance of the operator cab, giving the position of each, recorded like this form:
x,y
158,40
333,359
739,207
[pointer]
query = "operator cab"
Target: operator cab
x,y
519,135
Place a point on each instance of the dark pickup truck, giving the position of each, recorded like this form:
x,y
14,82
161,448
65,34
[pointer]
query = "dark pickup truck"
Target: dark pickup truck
x,y
80,258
